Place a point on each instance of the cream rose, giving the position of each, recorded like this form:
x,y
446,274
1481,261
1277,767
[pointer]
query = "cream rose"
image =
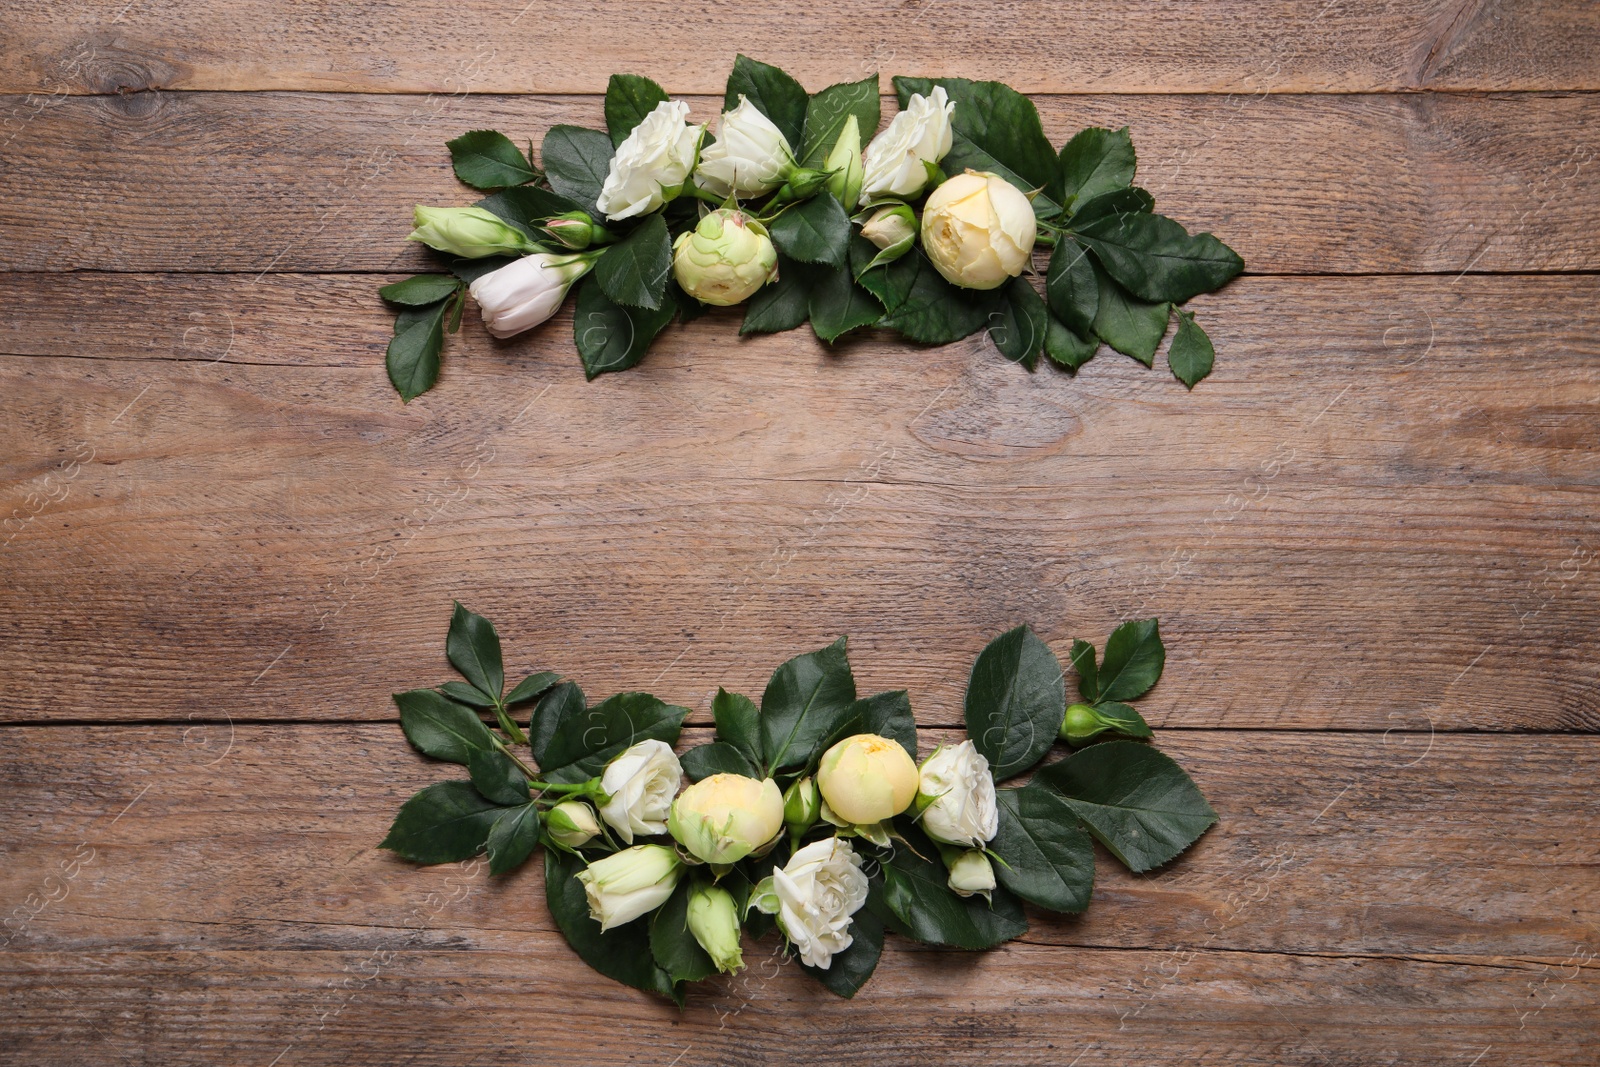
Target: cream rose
x,y
896,161
749,156
866,779
639,787
958,791
978,229
652,164
814,896
725,817
627,884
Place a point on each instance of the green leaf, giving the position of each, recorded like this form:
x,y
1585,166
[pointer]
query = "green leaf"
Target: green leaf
x,y
1049,860
887,715
527,206
420,290
1190,355
1015,702
629,98
849,970
827,112
412,358
738,723
931,310
474,650
813,231
1133,660
996,129
612,337
1095,161
918,903
1070,285
1116,202
1020,323
487,159
675,949
467,694
774,93
1136,801
562,704
634,271
803,703
1123,718
838,305
445,823
783,304
622,954
1063,345
441,728
719,757
513,838
576,162
532,686
1088,673
497,777
582,745
1131,326
1155,258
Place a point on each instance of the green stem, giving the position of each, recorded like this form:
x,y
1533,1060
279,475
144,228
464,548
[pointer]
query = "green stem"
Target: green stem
x,y
704,194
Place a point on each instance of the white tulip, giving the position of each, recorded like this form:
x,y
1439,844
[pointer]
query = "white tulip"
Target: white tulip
x,y
814,896
652,164
627,884
895,160
959,792
639,787
971,873
526,291
749,156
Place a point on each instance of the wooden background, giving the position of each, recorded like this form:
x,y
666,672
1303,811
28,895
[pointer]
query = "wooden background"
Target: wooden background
x,y
1370,535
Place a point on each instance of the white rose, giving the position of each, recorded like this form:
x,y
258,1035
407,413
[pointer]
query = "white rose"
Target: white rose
x,y
526,291
895,159
814,896
639,787
971,873
626,884
978,230
652,163
749,156
961,807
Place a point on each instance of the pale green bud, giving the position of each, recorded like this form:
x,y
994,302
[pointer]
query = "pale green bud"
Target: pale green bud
x,y
971,873
577,230
714,922
472,232
724,259
845,163
892,228
571,823
627,884
801,805
1083,723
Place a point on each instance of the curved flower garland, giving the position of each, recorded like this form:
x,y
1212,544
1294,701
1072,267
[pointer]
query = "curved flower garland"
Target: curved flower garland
x,y
928,231
807,813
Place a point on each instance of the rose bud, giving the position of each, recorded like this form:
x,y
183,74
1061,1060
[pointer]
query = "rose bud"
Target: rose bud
x,y
652,163
724,259
639,785
844,164
714,921
627,884
801,806
957,791
473,232
749,157
898,161
971,873
978,229
526,291
724,818
577,230
571,823
866,779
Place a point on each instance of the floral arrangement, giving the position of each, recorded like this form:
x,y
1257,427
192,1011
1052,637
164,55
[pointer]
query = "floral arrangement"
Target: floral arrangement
x,y
929,231
807,813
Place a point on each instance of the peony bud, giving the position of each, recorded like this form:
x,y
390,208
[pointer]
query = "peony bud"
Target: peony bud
x,y
801,806
978,229
714,922
893,229
652,163
724,259
867,778
577,230
571,823
749,157
639,786
970,873
845,163
627,884
957,794
724,818
526,291
473,232
897,161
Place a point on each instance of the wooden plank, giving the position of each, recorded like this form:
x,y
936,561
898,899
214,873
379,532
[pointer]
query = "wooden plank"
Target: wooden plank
x,y
225,890
1076,46
296,181
1404,542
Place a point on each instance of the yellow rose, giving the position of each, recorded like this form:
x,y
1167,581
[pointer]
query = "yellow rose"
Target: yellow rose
x,y
978,229
866,779
724,818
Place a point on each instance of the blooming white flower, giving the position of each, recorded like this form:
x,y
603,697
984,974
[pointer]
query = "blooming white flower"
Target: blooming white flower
x,y
814,896
895,159
971,873
626,884
959,792
978,229
652,163
749,155
639,786
526,291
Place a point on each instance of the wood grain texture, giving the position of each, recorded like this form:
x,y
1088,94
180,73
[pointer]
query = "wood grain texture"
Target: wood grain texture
x,y
1076,46
230,874
297,181
1379,511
